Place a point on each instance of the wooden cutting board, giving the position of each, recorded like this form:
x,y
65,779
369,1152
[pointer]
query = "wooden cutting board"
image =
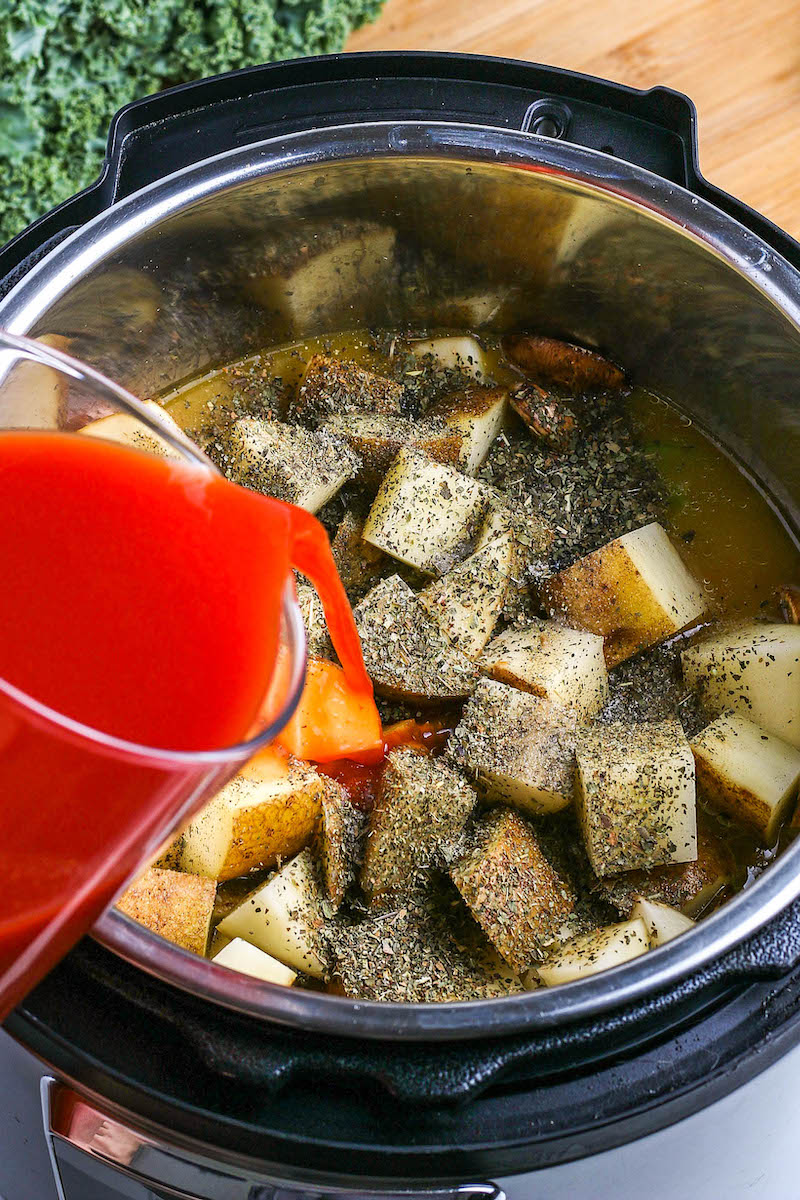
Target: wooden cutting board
x,y
738,60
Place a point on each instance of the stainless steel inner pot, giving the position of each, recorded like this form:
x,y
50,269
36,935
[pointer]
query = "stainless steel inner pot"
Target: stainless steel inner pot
x,y
560,239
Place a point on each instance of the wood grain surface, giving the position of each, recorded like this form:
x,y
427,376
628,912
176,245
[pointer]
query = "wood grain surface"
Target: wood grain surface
x,y
739,60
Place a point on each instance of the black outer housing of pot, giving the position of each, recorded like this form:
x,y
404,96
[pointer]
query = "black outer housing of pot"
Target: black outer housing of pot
x,y
432,1112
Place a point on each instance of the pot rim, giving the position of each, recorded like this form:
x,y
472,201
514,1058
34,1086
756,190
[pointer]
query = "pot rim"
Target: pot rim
x,y
691,217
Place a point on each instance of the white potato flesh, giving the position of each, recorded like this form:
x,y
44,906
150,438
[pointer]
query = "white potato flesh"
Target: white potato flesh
x,y
635,795
663,922
239,955
426,514
476,415
564,665
466,602
31,395
462,353
633,592
300,466
751,669
593,952
127,429
284,917
747,773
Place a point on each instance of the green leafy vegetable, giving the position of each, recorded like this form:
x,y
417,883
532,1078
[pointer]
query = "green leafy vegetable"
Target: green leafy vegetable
x,y
67,65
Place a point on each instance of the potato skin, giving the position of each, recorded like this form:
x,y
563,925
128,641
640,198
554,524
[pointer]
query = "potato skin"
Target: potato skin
x,y
172,904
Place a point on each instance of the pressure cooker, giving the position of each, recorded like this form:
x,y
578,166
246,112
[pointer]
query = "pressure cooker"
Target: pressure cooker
x,y
578,206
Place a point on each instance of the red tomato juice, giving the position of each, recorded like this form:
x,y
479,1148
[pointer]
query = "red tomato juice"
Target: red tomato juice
x,y
141,598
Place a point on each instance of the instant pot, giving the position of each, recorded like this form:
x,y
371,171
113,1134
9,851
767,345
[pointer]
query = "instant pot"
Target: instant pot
x,y
525,197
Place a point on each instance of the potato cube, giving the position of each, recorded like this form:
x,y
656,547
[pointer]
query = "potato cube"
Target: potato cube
x,y
426,514
331,386
127,429
421,808
267,812
318,642
663,922
520,749
301,466
593,952
377,440
406,654
511,889
564,665
751,775
325,274
176,906
532,537
476,417
338,845
460,353
634,592
358,563
635,795
284,918
753,670
241,956
466,602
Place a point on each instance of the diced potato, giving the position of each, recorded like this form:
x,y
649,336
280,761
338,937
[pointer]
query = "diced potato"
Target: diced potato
x,y
426,514
462,353
241,956
267,812
421,808
466,602
377,440
476,417
532,537
663,923
332,386
329,272
690,887
171,855
511,889
176,906
593,952
635,795
564,665
127,429
318,642
358,563
32,393
634,592
406,654
572,368
520,749
284,918
751,669
338,843
751,775
301,466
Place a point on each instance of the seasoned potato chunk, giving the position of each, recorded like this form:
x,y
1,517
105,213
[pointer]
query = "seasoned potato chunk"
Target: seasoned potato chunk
x,y
466,602
462,353
406,654
475,416
174,905
636,795
268,811
318,642
520,749
377,440
663,923
331,386
572,368
426,514
751,775
284,918
593,952
358,563
124,428
338,842
241,956
634,592
564,665
421,808
752,669
511,889
301,466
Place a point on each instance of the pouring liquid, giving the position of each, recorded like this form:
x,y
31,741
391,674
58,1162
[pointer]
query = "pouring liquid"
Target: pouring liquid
x,y
140,598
